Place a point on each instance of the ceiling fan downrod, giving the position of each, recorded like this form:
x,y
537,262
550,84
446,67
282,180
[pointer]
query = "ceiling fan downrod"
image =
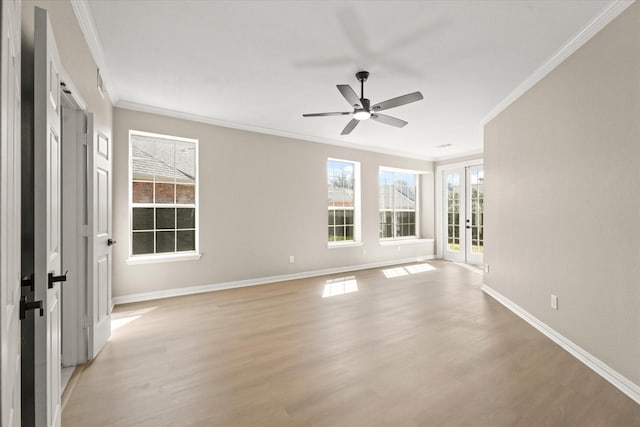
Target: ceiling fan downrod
x,y
362,77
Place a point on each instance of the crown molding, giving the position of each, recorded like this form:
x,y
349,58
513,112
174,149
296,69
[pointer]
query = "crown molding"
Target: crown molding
x,y
128,105
479,152
88,26
606,15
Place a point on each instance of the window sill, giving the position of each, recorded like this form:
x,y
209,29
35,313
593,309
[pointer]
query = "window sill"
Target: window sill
x,y
335,245
396,242
155,259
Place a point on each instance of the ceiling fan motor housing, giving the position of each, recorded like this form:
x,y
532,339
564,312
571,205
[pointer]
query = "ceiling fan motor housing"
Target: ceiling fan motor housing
x,y
362,76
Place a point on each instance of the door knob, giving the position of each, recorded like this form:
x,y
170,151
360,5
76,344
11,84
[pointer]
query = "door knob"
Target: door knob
x,y
111,242
53,279
28,306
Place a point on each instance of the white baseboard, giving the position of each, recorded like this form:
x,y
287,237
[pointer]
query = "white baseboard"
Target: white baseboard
x,y
146,296
605,371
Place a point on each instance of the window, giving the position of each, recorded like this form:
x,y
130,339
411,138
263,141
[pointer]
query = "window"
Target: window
x,y
344,197
398,207
164,193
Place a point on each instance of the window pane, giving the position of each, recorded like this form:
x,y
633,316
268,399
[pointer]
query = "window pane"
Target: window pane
x,y
164,193
340,182
332,231
164,156
339,217
348,217
186,218
165,218
332,217
142,192
185,156
339,233
186,240
142,160
142,218
385,181
165,241
185,193
142,243
348,233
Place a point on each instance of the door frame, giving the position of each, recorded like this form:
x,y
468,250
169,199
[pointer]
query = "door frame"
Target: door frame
x,y
440,198
75,344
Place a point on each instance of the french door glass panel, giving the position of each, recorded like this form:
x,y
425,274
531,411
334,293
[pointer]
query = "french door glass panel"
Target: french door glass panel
x,y
475,214
454,228
464,214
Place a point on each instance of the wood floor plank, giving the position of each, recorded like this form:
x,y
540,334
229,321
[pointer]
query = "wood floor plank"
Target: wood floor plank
x,y
416,346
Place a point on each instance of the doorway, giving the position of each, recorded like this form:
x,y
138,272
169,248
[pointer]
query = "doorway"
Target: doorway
x,y
463,214
74,239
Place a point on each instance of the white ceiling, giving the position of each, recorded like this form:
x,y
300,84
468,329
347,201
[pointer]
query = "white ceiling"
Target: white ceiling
x,y
261,64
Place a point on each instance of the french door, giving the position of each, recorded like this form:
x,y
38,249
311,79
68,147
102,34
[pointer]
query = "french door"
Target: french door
x,y
464,214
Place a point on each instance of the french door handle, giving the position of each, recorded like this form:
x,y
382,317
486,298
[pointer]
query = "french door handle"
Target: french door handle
x,y
27,306
53,279
111,242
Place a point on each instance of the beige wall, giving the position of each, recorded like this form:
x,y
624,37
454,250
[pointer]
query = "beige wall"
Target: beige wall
x,y
262,199
75,56
563,197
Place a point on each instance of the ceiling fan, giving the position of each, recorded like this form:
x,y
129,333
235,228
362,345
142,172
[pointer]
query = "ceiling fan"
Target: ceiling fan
x,y
362,108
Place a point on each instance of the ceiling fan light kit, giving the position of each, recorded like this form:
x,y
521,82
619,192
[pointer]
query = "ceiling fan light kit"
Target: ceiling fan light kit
x,y
362,108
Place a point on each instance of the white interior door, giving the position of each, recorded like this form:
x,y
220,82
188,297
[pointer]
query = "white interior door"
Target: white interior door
x,y
474,221
47,221
99,184
10,248
454,215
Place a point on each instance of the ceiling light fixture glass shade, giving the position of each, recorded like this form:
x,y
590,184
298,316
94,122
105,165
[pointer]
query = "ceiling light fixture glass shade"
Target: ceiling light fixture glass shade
x,y
361,115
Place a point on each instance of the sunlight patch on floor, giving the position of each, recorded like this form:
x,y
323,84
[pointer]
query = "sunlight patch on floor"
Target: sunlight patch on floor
x,y
340,286
390,273
123,318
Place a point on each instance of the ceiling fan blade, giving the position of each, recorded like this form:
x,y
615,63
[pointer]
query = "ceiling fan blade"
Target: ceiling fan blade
x,y
388,120
350,126
398,101
345,113
350,95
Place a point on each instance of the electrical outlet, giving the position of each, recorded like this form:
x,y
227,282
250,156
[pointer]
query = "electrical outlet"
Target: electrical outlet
x,y
292,259
486,268
554,302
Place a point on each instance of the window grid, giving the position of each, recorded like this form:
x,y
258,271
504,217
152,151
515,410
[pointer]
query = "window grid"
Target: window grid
x,y
398,205
341,201
453,212
477,211
163,194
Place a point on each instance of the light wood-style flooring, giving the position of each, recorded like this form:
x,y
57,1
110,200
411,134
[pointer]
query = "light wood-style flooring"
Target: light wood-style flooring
x,y
422,347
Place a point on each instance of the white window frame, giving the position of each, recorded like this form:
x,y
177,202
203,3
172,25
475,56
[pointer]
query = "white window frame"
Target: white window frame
x,y
417,175
163,256
357,211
